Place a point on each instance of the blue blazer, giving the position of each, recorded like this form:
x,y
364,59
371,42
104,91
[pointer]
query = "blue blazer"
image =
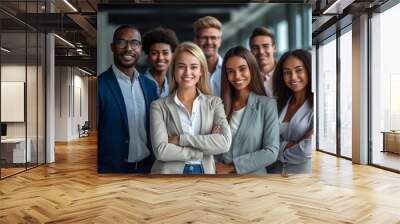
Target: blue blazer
x,y
112,122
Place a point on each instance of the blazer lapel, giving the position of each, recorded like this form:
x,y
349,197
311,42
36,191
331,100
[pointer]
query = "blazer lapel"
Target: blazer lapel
x,y
144,90
248,116
117,93
297,116
284,110
173,112
204,113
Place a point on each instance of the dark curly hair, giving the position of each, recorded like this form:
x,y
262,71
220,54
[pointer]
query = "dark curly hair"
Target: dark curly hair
x,y
281,90
159,35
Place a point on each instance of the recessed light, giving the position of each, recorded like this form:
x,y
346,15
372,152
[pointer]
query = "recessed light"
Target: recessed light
x,y
64,40
5,50
70,5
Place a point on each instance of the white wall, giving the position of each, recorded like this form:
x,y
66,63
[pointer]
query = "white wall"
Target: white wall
x,y
61,103
33,126
71,93
12,73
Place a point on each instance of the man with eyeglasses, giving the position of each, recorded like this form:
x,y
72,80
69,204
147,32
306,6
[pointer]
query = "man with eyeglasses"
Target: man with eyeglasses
x,y
262,46
208,32
123,101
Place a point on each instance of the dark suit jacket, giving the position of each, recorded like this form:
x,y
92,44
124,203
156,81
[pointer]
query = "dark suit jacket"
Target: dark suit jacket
x,y
112,126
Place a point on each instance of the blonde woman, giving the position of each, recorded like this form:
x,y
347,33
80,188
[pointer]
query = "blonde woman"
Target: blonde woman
x,y
189,126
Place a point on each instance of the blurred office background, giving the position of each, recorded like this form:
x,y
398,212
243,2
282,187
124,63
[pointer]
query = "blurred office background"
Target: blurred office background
x,y
291,23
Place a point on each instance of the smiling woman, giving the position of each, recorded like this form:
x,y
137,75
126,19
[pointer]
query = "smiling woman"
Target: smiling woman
x,y
292,83
253,117
159,44
189,126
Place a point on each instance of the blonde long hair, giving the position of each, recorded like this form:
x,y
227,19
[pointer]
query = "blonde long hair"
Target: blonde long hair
x,y
193,49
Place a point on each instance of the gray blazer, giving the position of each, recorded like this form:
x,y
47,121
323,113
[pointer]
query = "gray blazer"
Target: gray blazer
x,y
301,122
165,122
256,142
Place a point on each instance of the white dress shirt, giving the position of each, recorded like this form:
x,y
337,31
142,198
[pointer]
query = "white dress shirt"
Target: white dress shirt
x,y
234,124
191,123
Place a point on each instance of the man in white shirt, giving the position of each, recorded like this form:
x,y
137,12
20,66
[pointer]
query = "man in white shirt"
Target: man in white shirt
x,y
208,32
263,47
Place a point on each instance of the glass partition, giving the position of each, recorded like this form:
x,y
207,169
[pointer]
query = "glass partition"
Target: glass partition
x,y
346,93
326,94
22,87
385,89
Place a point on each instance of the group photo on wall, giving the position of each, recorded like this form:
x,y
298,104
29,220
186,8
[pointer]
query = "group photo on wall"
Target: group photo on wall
x,y
208,89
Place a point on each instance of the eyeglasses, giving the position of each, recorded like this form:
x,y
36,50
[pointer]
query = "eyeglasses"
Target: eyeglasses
x,y
205,38
135,44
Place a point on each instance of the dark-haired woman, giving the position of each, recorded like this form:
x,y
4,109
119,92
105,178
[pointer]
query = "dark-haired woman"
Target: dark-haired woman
x,y
252,116
159,45
292,81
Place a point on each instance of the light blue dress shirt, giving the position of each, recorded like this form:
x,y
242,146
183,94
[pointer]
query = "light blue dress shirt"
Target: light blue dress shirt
x,y
136,112
161,90
215,78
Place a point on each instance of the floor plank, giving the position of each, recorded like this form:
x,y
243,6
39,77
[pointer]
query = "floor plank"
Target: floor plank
x,y
71,191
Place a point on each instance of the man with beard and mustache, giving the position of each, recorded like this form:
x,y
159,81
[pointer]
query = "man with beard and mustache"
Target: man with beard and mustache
x,y
208,32
123,101
262,46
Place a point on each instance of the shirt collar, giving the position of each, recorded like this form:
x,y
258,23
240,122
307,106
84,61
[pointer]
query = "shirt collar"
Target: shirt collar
x,y
268,75
179,103
218,67
219,63
121,75
150,76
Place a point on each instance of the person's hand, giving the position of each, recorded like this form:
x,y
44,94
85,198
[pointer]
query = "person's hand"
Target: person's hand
x,y
223,168
216,129
174,140
290,144
309,133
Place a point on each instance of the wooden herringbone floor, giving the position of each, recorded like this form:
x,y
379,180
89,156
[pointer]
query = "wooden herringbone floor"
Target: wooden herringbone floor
x,y
70,191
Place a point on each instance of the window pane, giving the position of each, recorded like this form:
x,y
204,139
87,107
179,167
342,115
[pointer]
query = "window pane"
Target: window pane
x,y
31,97
327,97
346,94
385,86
